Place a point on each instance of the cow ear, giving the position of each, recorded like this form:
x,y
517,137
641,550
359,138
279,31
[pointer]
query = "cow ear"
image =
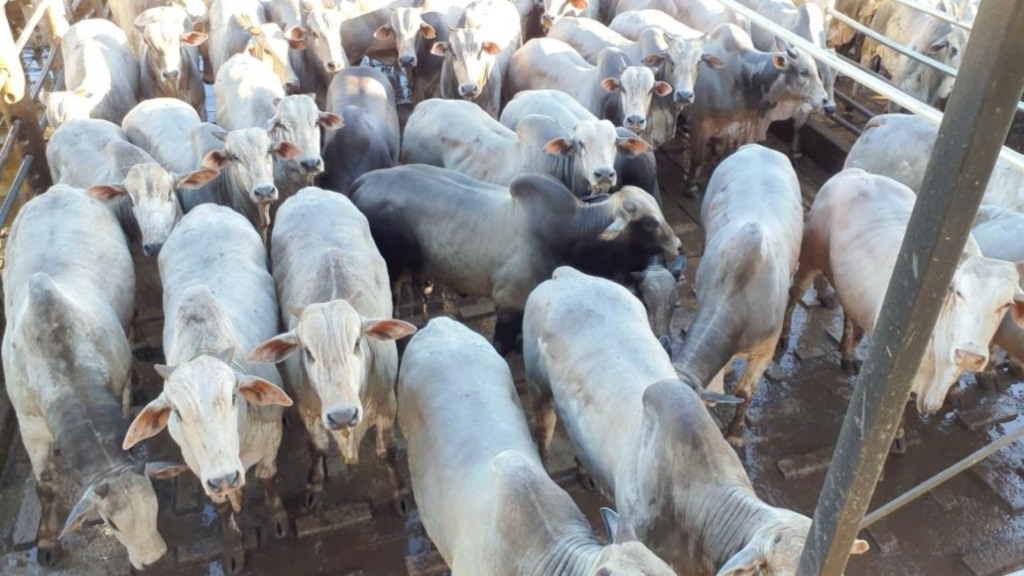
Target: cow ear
x,y
1017,308
86,504
296,36
610,84
779,60
164,470
859,546
260,392
106,192
614,229
275,349
163,371
148,423
197,178
215,159
491,48
559,146
285,150
579,4
662,88
439,48
428,31
781,45
387,329
633,146
193,38
384,32
330,120
254,49
713,61
652,59
744,563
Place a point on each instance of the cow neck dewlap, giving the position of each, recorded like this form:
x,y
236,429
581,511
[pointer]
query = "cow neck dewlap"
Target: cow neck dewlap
x,y
88,426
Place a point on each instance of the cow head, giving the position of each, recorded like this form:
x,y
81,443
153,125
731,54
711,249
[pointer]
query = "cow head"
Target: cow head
x,y
593,145
555,9
126,502
799,79
165,32
297,120
681,59
657,289
639,222
200,406
334,345
152,191
472,58
406,26
626,555
323,27
69,105
270,44
983,290
941,42
776,546
636,86
247,159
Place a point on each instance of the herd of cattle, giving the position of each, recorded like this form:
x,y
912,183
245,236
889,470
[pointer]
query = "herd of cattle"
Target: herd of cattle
x,y
526,174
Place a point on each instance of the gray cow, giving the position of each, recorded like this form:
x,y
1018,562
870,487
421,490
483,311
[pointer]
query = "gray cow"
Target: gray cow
x,y
483,494
663,462
339,354
486,240
68,291
753,221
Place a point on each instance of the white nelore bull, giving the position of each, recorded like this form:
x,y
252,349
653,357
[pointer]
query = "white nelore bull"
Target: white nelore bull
x,y
339,355
68,292
223,413
483,494
853,230
238,26
663,462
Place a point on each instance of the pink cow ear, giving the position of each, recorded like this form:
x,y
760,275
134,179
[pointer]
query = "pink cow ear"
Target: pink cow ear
x,y
439,48
662,88
633,146
491,48
579,4
330,120
285,150
106,192
275,349
428,31
610,84
388,329
559,146
779,60
260,392
384,32
150,422
193,38
713,61
216,159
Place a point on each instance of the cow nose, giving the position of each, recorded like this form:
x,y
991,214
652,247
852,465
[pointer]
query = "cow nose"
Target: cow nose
x,y
547,19
636,121
970,360
291,87
225,483
344,418
407,60
604,175
170,74
468,90
152,248
829,109
332,66
684,97
265,193
314,165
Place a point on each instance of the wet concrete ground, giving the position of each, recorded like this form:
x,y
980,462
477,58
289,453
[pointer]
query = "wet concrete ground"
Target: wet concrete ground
x,y
973,525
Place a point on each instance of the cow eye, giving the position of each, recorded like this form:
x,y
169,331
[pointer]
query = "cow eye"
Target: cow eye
x,y
176,413
309,355
234,400
959,294
355,347
805,73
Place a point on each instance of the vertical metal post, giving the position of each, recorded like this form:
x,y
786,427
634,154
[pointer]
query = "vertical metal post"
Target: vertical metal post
x,y
976,122
16,104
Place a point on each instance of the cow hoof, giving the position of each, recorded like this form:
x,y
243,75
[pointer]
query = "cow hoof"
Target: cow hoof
x,y
850,365
899,445
281,523
234,560
313,499
48,555
827,301
403,503
692,191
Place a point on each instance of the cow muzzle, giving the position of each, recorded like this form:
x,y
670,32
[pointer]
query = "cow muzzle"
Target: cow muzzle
x,y
547,21
343,418
635,123
152,248
829,109
291,87
604,179
970,359
171,74
225,483
264,193
469,90
312,165
683,97
332,66
407,60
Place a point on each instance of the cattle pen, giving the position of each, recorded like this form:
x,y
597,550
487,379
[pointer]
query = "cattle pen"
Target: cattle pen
x,y
820,438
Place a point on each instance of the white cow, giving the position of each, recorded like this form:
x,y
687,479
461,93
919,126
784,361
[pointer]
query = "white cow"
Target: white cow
x,y
238,26
68,292
590,356
853,230
224,413
339,355
702,15
101,76
249,96
124,13
483,494
169,60
632,23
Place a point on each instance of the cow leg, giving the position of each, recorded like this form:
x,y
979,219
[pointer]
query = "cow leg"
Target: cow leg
x,y
848,348
507,329
717,383
387,450
757,363
826,295
232,552
39,445
801,283
266,472
544,420
899,443
318,464
698,154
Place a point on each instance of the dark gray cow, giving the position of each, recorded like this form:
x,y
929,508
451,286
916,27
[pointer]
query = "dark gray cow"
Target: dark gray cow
x,y
476,238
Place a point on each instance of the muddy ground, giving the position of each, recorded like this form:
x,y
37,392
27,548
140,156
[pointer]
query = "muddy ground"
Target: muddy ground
x,y
973,525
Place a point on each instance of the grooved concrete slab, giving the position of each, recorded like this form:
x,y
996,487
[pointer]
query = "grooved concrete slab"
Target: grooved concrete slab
x,y
330,520
425,564
806,464
995,560
990,411
1004,483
